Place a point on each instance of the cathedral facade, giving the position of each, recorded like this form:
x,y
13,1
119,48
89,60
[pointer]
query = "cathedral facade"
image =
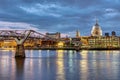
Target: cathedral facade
x,y
96,30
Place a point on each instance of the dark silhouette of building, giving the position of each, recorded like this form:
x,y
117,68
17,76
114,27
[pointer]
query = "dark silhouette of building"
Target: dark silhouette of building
x,y
107,34
113,33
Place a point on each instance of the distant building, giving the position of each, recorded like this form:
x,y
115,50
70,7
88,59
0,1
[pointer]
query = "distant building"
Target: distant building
x,y
104,42
113,33
8,44
77,34
107,34
76,41
96,30
56,35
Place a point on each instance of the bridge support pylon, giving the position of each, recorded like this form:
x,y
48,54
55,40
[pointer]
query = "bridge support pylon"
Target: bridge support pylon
x,y
20,51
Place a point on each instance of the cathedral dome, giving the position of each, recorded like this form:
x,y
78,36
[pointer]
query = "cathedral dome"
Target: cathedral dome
x,y
96,30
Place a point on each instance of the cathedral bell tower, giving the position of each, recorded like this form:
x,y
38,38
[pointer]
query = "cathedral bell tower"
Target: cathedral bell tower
x,y
77,34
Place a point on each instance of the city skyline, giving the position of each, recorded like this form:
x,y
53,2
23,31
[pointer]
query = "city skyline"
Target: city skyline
x,y
65,16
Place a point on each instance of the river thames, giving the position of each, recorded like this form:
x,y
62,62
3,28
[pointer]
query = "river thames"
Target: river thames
x,y
60,65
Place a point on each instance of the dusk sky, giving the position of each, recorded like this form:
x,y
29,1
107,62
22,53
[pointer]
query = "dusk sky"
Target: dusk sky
x,y
65,16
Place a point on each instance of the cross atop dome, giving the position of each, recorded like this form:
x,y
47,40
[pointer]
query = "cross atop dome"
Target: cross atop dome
x,y
96,24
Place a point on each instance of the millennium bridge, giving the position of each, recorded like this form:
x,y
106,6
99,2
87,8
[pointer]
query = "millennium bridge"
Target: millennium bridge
x,y
20,36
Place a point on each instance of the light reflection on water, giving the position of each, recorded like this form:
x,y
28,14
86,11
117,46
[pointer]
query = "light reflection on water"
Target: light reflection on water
x,y
60,65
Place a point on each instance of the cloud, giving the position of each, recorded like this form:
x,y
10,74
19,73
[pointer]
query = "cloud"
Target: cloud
x,y
59,15
54,10
17,25
41,10
110,12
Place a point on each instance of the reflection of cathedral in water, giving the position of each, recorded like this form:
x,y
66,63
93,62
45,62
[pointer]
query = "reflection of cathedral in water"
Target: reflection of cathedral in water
x,y
96,30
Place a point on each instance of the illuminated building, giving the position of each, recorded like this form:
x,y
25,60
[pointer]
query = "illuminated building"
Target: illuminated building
x,y
8,44
31,43
96,30
84,40
104,42
60,44
1,43
54,35
11,44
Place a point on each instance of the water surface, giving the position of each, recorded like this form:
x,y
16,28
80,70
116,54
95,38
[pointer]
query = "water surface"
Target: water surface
x,y
60,65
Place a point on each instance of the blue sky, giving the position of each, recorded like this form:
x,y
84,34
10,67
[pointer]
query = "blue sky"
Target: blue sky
x,y
65,16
